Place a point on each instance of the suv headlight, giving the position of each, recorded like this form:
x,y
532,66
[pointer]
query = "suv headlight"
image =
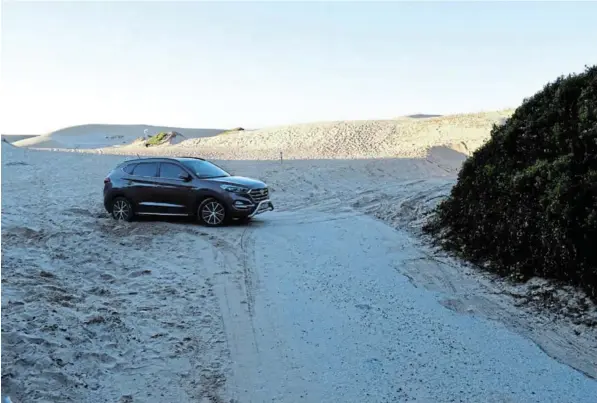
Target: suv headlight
x,y
234,189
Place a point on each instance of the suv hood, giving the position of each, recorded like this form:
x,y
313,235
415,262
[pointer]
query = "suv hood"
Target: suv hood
x,y
240,181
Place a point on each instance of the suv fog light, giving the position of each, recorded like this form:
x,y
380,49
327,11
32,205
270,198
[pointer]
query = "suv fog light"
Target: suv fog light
x,y
242,204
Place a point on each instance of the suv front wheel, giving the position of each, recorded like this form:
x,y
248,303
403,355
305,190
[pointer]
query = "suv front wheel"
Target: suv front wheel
x,y
212,213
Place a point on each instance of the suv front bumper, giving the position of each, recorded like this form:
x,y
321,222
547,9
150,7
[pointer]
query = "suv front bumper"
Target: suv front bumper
x,y
243,206
261,207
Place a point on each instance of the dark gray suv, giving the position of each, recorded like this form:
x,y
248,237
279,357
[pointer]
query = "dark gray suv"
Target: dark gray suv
x,y
182,187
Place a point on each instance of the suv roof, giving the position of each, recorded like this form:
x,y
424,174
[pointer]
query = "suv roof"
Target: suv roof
x,y
157,159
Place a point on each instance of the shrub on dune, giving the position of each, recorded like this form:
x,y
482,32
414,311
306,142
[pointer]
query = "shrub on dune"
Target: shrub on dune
x,y
157,139
525,203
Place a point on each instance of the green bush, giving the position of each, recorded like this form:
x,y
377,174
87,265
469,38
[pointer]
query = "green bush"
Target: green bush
x,y
525,203
157,139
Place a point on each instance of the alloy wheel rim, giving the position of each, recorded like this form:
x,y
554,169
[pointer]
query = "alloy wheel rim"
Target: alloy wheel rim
x,y
121,210
213,213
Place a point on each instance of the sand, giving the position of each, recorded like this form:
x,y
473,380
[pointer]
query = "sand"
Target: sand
x,y
12,138
104,135
334,296
411,138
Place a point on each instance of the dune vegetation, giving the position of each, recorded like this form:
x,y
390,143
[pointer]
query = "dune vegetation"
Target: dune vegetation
x,y
525,203
157,139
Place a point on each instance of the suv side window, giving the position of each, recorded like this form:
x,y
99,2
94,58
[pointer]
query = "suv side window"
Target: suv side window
x,y
170,171
129,168
146,169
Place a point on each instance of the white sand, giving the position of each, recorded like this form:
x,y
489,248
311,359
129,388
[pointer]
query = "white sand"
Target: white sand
x,y
100,135
410,138
12,138
318,301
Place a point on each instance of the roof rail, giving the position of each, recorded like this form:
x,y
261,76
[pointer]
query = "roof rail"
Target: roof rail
x,y
196,158
130,159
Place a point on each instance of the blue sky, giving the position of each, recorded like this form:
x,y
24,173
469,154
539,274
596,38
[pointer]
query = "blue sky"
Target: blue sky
x,y
224,64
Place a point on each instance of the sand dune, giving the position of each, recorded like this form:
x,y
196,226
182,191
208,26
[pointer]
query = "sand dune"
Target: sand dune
x,y
11,138
104,135
352,139
406,138
366,139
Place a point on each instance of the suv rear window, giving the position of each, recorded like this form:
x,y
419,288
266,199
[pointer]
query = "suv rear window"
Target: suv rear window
x,y
146,169
129,168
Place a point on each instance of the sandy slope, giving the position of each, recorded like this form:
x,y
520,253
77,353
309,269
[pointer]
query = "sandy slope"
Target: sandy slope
x,y
98,135
12,138
410,138
316,302
402,138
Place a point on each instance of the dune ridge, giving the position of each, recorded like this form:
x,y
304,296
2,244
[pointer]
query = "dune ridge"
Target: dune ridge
x,y
445,141
350,139
407,138
105,135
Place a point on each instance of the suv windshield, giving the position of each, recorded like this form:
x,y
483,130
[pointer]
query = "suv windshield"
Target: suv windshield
x,y
204,169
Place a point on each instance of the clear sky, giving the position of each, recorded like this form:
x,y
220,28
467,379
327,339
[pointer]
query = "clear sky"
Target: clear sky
x,y
197,64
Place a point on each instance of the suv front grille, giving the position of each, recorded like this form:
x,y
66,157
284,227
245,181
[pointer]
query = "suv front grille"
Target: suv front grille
x,y
258,195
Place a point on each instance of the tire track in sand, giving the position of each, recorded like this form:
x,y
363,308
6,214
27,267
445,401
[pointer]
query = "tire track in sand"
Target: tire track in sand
x,y
234,284
247,247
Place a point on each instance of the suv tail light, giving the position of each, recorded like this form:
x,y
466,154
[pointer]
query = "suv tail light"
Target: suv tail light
x,y
106,180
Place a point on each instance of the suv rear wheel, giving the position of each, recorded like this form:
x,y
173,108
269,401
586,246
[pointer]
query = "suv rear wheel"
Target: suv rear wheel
x,y
212,213
122,209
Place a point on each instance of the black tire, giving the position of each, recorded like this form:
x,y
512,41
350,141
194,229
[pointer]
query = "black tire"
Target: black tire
x,y
212,213
122,209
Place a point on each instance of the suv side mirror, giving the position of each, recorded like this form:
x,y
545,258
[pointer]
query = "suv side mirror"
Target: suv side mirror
x,y
185,176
